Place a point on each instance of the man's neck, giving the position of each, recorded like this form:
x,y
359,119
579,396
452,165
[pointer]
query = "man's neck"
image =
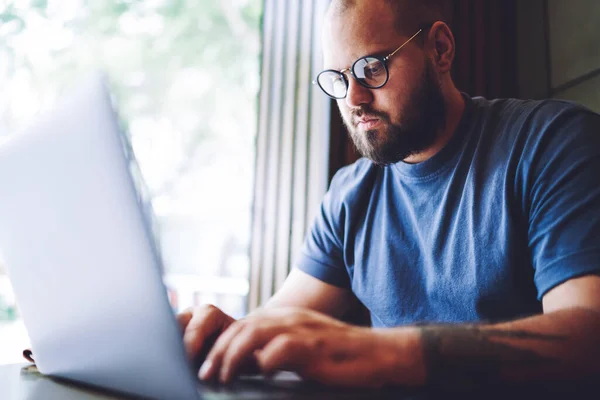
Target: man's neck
x,y
455,107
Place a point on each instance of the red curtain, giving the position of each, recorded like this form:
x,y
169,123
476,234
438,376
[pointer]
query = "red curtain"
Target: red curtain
x,y
485,33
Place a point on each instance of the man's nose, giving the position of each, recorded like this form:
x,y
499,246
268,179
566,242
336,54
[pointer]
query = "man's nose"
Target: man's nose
x,y
357,94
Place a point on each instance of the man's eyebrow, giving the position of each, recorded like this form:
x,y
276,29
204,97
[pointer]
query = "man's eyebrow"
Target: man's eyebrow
x,y
380,53
383,52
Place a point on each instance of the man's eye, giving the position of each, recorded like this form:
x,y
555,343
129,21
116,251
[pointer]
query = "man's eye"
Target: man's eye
x,y
339,85
338,82
373,69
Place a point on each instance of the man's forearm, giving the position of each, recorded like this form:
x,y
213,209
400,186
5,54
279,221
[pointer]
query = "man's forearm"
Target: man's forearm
x,y
564,345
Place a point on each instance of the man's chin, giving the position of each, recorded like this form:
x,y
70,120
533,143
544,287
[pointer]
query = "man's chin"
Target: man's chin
x,y
377,155
372,137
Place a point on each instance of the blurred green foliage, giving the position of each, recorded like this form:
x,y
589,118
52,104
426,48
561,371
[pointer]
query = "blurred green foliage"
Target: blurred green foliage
x,y
194,63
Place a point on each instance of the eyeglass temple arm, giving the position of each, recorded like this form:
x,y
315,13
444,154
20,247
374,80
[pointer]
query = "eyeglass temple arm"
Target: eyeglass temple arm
x,y
403,44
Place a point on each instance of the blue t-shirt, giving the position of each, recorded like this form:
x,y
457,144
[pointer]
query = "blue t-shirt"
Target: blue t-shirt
x,y
507,210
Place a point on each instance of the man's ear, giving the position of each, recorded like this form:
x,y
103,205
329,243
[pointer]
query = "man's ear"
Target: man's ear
x,y
442,46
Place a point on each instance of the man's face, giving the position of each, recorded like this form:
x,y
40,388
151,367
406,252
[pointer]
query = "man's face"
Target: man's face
x,y
403,117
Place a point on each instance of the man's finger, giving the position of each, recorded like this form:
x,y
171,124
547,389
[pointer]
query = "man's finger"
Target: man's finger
x,y
243,346
183,319
212,365
202,324
286,352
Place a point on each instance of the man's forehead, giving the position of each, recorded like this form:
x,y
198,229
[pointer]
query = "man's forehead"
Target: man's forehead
x,y
357,32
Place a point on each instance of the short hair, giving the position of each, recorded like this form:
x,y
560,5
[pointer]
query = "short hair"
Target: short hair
x,y
410,14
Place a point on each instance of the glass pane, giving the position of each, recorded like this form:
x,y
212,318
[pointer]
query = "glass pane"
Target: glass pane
x,y
185,75
573,39
586,93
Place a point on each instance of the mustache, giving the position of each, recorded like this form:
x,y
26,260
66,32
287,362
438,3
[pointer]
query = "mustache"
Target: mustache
x,y
367,111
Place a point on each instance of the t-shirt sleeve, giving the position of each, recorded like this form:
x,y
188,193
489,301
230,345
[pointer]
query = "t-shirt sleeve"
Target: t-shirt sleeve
x,y
322,251
563,197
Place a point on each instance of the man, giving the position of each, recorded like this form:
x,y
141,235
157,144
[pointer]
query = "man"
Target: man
x,y
482,214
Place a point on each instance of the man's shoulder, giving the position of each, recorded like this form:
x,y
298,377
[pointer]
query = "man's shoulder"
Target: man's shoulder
x,y
516,109
509,122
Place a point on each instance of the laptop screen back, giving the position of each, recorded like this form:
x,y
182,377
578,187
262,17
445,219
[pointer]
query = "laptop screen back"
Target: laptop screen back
x,y
76,238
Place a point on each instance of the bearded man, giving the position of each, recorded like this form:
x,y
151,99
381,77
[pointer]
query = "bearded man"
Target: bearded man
x,y
470,229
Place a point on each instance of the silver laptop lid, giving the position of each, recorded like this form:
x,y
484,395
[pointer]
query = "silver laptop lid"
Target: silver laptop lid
x,y
80,257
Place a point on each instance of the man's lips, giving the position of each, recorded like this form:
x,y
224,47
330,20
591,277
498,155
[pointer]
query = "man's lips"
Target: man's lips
x,y
367,123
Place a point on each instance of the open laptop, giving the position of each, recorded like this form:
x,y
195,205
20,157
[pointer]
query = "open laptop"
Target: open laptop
x,y
76,239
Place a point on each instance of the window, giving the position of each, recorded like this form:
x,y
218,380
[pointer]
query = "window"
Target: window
x,y
185,74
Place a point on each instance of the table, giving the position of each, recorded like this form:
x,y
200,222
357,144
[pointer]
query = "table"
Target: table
x,y
23,382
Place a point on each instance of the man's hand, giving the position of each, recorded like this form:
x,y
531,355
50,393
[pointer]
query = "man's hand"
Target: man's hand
x,y
201,324
311,344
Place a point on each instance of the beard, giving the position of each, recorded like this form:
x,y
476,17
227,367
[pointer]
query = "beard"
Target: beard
x,y
419,126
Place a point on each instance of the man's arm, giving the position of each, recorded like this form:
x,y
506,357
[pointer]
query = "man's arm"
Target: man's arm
x,y
561,344
304,291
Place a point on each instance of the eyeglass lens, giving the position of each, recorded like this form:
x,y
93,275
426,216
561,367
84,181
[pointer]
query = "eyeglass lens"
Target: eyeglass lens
x,y
369,71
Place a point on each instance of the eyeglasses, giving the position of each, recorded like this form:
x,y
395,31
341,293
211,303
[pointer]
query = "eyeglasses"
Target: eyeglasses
x,y
369,71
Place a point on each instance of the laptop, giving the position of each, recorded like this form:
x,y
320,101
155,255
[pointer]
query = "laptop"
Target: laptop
x,y
76,238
